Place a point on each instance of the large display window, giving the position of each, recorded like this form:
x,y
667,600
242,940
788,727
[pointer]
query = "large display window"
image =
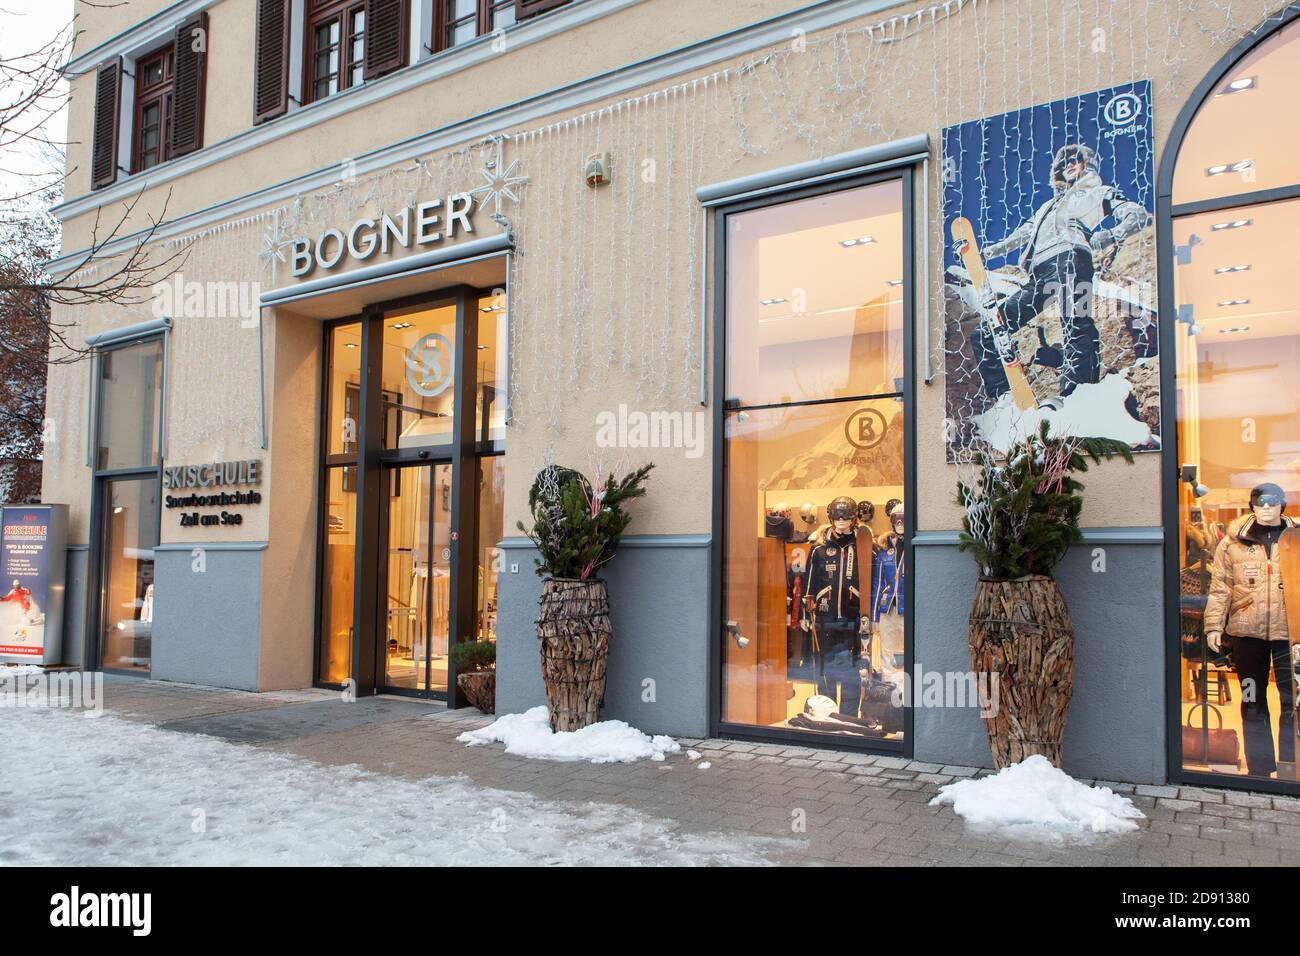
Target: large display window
x,y
1236,192
815,583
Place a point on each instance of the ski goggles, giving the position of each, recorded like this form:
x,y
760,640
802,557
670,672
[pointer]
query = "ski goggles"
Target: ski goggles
x,y
1270,501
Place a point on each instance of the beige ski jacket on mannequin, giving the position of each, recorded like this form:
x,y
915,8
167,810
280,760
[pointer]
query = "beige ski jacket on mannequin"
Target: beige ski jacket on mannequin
x,y
1246,588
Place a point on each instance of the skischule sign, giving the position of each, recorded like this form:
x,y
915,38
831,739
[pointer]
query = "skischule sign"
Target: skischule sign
x,y
217,474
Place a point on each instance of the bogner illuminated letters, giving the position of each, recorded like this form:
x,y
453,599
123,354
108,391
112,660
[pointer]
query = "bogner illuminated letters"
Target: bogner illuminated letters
x,y
424,224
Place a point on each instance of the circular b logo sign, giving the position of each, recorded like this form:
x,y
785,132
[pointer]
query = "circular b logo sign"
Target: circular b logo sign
x,y
865,428
1123,109
428,365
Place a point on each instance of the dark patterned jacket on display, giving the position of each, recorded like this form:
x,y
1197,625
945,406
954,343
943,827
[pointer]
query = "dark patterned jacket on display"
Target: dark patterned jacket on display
x,y
832,581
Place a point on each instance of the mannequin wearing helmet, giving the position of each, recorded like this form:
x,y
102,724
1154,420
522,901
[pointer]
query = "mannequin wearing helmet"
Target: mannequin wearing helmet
x,y
833,593
1246,613
887,586
1062,242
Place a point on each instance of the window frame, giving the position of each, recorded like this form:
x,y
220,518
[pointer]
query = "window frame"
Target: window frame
x,y
908,173
484,17
1166,215
162,94
318,13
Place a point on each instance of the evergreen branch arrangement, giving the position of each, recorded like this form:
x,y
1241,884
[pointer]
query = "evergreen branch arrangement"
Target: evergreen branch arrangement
x,y
577,529
470,656
1022,514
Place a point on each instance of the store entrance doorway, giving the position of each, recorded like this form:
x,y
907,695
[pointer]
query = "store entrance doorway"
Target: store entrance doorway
x,y
416,578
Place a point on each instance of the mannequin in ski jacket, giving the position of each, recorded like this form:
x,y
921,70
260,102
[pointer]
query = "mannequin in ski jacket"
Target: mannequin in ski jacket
x,y
887,578
1246,600
1061,242
833,591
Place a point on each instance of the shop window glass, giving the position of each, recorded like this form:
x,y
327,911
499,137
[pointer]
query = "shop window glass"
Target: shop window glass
x,y
418,577
814,572
814,298
1238,348
493,341
344,389
130,406
491,529
130,536
1235,143
419,376
338,574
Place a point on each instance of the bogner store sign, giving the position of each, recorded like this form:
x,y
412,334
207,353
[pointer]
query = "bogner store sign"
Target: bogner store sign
x,y
423,224
218,474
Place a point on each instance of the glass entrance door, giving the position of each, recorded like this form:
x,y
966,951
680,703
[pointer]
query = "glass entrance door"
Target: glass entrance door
x,y
130,536
417,577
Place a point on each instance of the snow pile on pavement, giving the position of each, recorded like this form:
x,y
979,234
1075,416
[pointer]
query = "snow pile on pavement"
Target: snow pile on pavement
x,y
111,792
1035,796
610,741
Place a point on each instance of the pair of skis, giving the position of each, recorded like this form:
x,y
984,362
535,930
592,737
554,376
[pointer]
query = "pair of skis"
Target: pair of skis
x,y
1288,547
963,233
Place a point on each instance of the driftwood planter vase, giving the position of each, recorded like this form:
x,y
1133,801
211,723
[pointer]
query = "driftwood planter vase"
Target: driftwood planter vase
x,y
574,632
480,689
1021,636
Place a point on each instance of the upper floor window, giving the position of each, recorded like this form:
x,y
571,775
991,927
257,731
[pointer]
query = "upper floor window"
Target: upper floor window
x,y
164,118
153,109
335,44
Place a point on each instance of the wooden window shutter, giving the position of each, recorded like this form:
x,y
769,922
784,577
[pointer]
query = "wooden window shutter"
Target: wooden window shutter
x,y
386,37
531,8
190,68
271,60
108,117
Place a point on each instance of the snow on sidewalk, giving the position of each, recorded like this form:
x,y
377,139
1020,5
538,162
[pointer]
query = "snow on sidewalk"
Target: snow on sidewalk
x,y
610,741
1034,799
111,792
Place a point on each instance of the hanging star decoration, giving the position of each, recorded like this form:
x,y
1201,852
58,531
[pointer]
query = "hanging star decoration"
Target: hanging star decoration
x,y
274,243
499,182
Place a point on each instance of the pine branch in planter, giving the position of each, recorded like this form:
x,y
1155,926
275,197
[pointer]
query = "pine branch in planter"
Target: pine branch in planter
x,y
576,529
1022,513
474,656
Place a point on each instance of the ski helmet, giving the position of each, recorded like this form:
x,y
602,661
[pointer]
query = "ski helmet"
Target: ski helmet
x,y
1267,494
891,504
779,510
808,512
1067,155
897,516
866,511
842,508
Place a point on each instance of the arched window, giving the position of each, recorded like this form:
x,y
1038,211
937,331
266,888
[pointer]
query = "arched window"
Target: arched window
x,y
1230,191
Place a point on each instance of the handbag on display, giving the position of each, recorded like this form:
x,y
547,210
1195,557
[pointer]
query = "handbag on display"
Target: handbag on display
x,y
1205,744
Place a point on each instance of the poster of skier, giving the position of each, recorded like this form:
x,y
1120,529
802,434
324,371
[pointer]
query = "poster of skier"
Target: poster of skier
x,y
24,582
1050,273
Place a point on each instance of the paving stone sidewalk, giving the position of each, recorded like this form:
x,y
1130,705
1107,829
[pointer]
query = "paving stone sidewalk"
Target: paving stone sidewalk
x,y
857,809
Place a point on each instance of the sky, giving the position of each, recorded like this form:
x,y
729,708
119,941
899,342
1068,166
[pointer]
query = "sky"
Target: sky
x,y
25,26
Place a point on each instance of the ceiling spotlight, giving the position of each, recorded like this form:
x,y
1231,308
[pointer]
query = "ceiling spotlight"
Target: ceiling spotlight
x,y
860,241
401,325
493,308
1224,270
1224,168
1229,303
1238,86
1233,330
777,300
894,282
1234,224
482,348
349,345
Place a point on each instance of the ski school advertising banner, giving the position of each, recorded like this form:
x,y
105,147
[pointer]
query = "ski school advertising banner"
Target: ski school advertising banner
x,y
1050,273
24,581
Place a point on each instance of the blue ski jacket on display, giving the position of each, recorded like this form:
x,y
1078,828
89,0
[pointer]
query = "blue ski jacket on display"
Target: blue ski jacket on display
x,y
886,579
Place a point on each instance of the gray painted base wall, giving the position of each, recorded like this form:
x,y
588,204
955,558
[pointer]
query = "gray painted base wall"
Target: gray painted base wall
x,y
1116,724
658,595
206,625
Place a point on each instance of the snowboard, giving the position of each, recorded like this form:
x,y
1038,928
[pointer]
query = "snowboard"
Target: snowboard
x,y
991,316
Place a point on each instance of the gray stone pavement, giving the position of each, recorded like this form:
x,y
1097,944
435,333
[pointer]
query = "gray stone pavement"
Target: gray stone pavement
x,y
858,809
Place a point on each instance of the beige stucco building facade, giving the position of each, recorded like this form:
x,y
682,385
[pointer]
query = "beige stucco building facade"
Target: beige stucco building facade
x,y
386,526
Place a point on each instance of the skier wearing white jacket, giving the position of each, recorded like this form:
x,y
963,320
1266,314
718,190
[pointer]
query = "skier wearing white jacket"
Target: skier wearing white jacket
x,y
1061,243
